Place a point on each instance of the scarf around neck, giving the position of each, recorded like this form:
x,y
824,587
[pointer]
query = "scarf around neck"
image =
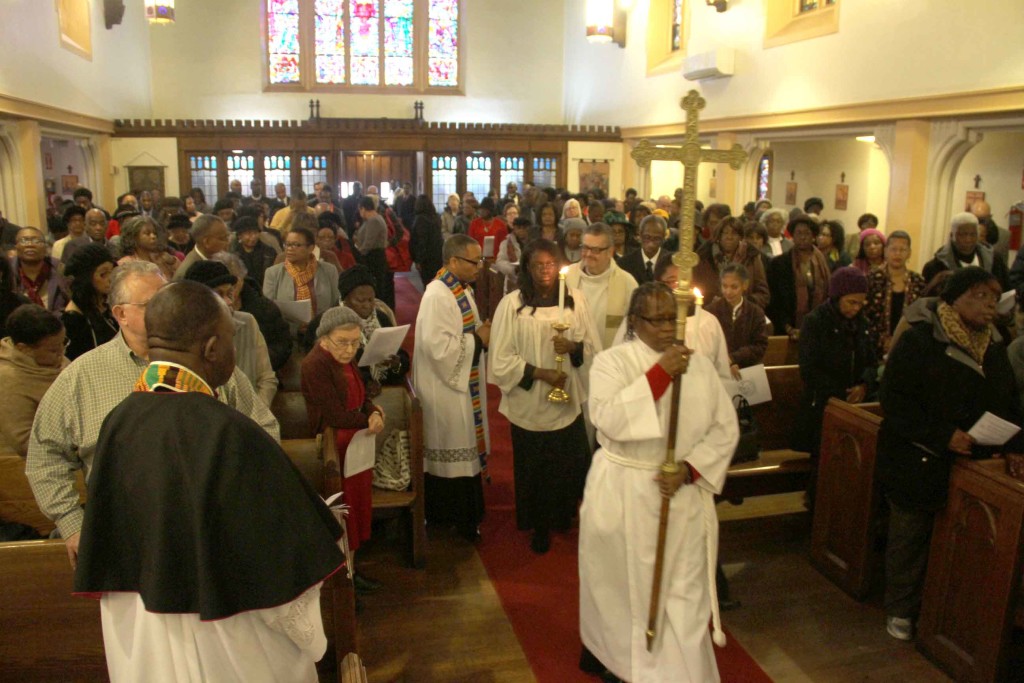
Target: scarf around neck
x,y
162,376
468,327
973,342
303,278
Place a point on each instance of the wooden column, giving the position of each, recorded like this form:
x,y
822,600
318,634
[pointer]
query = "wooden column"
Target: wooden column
x,y
908,183
974,573
30,158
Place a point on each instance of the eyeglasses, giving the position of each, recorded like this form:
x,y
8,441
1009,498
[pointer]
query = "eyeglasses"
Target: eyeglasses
x,y
546,265
659,322
478,263
26,241
141,304
594,250
354,344
295,245
652,237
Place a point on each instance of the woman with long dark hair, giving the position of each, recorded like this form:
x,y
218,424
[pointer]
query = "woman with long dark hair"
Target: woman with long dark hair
x,y
9,300
549,441
87,319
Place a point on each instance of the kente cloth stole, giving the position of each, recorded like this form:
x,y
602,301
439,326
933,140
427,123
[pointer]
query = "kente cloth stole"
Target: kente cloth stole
x,y
170,377
468,327
303,278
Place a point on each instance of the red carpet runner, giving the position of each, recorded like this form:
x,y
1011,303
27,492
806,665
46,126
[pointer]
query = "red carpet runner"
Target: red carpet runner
x,y
540,594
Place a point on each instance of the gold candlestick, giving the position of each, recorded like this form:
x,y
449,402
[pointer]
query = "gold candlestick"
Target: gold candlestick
x,y
557,394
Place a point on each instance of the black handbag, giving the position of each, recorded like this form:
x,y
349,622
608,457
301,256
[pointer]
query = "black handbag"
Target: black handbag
x,y
747,448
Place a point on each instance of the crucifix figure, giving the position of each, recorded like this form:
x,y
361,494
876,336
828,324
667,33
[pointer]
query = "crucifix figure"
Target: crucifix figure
x,y
691,156
977,182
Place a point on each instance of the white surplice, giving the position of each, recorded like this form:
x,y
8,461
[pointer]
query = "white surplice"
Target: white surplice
x,y
275,645
620,513
442,361
521,337
704,335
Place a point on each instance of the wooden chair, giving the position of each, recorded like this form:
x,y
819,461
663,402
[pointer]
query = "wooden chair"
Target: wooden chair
x,y
847,500
402,411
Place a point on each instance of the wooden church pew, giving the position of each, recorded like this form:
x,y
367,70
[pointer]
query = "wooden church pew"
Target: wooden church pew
x,y
781,351
846,508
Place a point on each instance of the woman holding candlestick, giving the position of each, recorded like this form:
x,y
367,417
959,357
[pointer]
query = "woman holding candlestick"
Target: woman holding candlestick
x,y
549,441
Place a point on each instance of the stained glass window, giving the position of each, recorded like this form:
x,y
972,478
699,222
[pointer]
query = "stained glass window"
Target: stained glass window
x,y
202,169
314,170
398,64
364,22
283,40
805,6
478,175
444,173
241,168
363,43
443,43
330,41
764,176
545,171
277,168
511,170
677,24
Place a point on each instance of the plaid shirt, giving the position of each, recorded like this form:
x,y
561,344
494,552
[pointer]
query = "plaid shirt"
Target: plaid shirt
x,y
67,424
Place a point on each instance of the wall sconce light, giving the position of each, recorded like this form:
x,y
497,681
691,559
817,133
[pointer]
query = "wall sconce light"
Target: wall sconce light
x,y
160,11
606,23
719,5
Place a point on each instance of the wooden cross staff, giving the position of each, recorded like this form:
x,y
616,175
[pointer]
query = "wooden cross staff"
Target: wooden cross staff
x,y
691,156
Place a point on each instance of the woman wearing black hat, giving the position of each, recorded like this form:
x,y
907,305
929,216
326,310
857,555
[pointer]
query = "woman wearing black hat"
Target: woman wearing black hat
x,y
87,319
946,371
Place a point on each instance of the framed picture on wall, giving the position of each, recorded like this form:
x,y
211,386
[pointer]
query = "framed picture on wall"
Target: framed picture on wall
x,y
842,195
142,178
791,193
68,184
973,197
594,175
74,23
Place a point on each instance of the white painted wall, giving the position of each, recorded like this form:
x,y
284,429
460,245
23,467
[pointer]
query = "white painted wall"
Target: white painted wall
x,y
208,65
145,152
612,151
999,160
115,83
818,165
884,50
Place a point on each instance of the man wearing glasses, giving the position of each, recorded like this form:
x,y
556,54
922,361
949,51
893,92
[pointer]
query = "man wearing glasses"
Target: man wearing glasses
x,y
642,262
605,286
37,276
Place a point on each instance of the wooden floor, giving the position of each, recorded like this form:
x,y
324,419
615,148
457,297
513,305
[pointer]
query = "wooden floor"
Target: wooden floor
x,y
445,623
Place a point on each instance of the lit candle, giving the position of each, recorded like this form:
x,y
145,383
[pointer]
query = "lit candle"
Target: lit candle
x,y
698,298
561,293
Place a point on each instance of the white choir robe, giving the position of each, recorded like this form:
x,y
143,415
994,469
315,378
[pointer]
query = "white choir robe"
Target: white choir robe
x,y
521,337
275,645
620,513
704,335
442,361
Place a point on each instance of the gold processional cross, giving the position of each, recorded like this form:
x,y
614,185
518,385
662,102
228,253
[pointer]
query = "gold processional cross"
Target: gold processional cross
x,y
691,156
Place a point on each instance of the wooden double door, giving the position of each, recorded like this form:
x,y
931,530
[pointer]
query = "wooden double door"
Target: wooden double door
x,y
378,168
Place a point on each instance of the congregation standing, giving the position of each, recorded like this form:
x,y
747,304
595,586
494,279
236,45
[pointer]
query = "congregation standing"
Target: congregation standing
x,y
584,311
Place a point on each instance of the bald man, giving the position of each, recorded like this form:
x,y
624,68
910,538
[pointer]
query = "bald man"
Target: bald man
x,y
204,545
1001,248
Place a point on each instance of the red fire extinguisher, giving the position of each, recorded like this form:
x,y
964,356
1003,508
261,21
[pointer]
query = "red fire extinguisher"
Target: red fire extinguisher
x,y
1015,225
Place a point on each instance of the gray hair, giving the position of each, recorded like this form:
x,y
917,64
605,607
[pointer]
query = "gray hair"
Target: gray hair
x,y
339,316
131,230
601,230
120,277
773,212
652,219
203,225
963,218
235,265
456,245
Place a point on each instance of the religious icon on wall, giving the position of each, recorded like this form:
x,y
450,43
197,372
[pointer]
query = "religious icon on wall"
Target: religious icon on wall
x,y
973,197
791,193
49,185
68,184
75,26
842,195
146,178
594,175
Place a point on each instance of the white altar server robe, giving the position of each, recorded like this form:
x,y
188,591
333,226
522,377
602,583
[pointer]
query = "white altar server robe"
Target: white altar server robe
x,y
620,513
